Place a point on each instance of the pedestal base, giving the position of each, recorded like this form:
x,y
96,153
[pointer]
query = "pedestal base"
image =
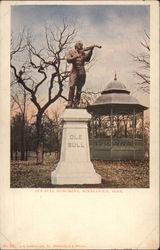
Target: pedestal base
x,y
67,174
75,166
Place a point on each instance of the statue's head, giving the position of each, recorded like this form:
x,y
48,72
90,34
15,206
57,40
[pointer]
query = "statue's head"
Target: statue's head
x,y
79,45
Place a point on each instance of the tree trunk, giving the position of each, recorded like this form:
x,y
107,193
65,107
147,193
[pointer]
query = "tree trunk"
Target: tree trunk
x,y
11,152
39,153
22,138
39,150
26,158
11,144
16,155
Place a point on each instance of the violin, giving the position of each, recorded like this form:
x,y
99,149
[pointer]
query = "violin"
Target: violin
x,y
92,47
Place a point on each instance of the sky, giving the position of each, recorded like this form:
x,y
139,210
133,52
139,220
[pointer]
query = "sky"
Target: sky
x,y
117,28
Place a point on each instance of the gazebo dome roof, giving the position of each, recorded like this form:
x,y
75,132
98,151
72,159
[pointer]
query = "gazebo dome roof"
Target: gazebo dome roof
x,y
115,86
115,94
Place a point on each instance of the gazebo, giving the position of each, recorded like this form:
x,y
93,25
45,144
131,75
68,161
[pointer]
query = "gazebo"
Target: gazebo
x,y
117,125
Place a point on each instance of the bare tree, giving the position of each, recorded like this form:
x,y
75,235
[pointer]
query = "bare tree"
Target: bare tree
x,y
55,127
143,62
21,103
88,97
42,69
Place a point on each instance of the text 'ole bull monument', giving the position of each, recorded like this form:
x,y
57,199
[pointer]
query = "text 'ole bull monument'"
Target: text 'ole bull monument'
x,y
75,166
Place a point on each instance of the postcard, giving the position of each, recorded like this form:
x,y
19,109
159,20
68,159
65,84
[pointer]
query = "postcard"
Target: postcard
x,y
79,119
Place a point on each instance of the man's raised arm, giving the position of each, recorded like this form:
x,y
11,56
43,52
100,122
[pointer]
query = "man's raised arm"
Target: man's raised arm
x,y
88,55
71,56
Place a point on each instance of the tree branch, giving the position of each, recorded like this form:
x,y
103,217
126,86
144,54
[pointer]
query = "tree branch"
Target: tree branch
x,y
45,77
20,80
143,77
51,85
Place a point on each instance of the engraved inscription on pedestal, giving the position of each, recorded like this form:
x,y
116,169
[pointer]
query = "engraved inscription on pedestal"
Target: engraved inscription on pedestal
x,y
75,141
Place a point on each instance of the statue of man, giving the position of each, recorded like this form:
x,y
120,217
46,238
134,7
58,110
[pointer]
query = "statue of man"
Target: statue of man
x,y
78,74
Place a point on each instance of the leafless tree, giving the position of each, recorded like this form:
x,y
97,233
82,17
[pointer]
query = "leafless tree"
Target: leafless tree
x,y
20,101
56,127
42,69
88,97
143,62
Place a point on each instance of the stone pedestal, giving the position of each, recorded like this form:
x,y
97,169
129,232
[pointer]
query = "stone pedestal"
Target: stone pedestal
x,y
75,166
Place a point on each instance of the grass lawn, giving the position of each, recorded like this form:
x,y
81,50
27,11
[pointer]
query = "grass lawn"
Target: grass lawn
x,y
115,174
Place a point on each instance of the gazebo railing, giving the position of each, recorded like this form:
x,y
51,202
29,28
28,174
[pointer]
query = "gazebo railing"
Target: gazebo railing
x,y
119,148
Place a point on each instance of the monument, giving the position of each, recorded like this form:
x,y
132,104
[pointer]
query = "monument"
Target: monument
x,y
77,78
75,166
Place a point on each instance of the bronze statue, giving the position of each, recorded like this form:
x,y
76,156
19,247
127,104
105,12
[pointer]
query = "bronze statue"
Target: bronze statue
x,y
77,77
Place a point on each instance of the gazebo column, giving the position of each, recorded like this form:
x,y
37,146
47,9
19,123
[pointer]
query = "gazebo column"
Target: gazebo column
x,y
134,131
111,127
99,126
